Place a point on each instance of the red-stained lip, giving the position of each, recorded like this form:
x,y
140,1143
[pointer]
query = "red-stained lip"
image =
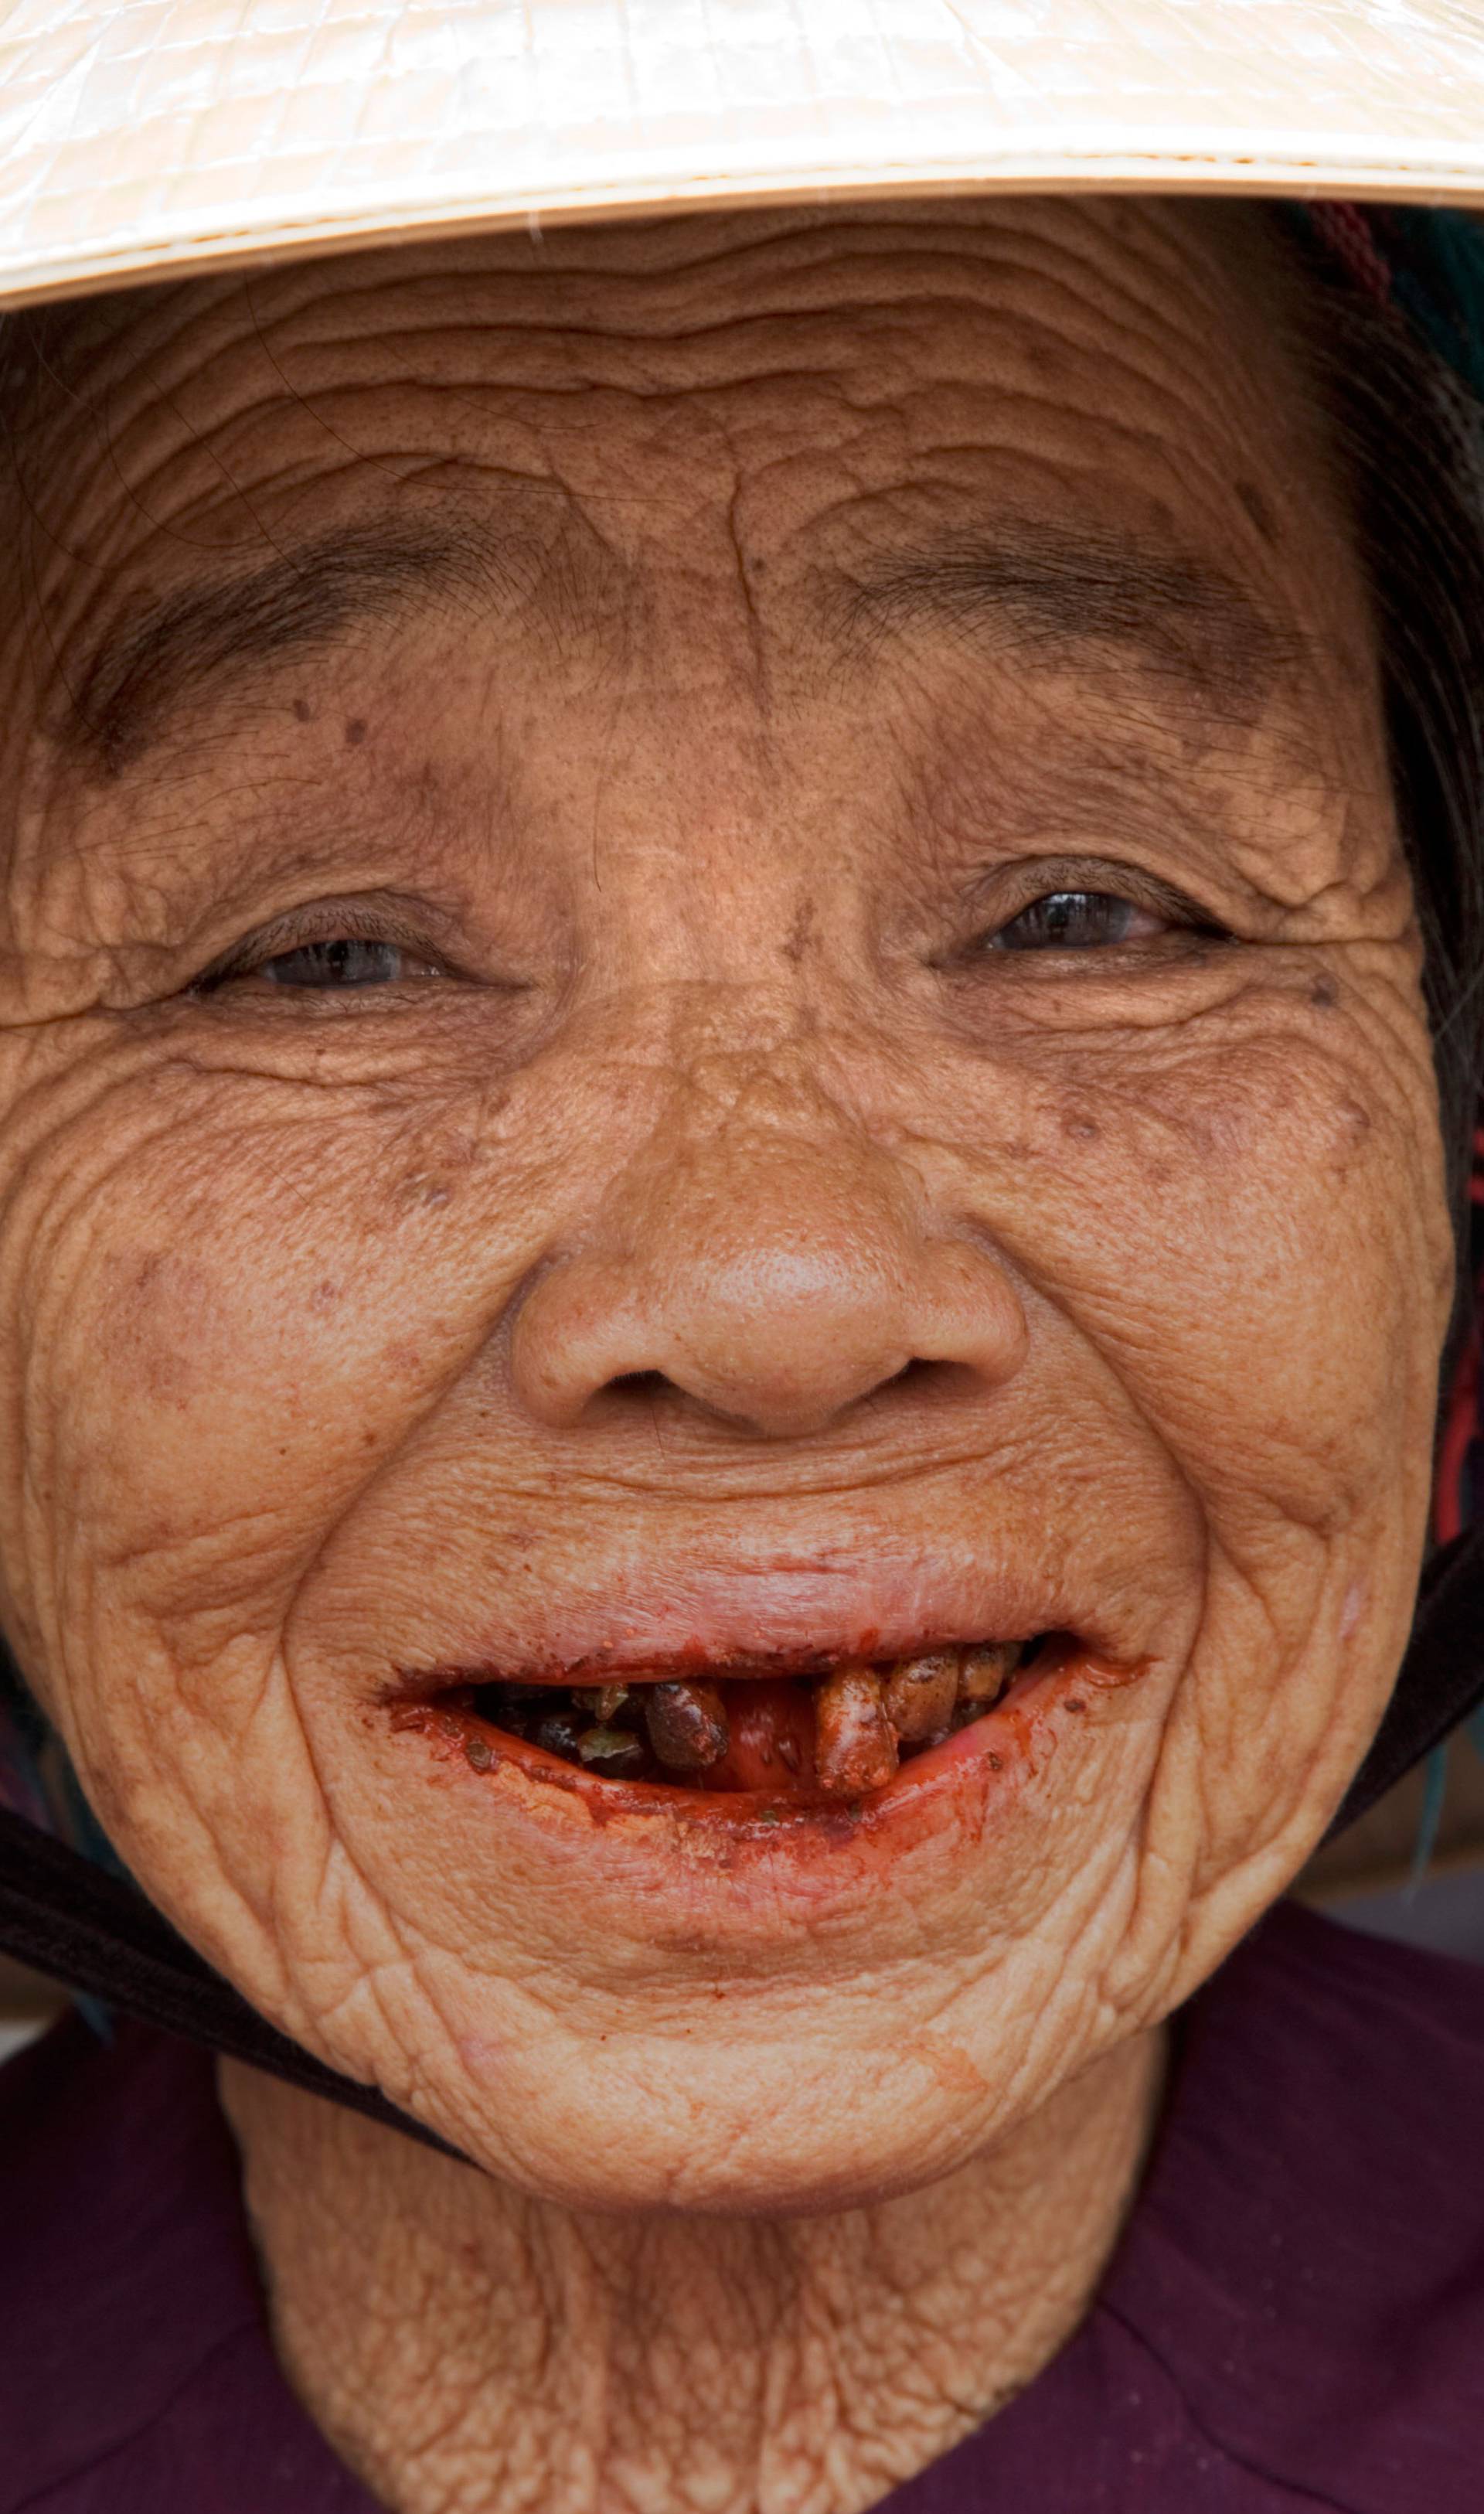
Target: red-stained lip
x,y
778,1621
1062,1683
773,1618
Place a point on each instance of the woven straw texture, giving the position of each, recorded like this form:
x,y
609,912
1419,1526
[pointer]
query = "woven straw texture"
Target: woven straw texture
x,y
151,135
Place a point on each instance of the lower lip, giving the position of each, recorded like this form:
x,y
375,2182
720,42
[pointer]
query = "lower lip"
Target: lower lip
x,y
994,1757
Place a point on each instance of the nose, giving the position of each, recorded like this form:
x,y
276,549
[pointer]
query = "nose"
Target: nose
x,y
776,1285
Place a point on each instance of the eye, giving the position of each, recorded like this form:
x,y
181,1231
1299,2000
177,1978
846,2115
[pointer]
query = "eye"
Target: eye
x,y
347,960
337,963
1075,920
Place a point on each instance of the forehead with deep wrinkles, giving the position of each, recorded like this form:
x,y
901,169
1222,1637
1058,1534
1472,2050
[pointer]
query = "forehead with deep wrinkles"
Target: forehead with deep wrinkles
x,y
784,450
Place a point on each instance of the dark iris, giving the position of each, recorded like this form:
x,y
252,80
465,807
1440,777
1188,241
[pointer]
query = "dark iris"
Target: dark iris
x,y
1066,919
346,961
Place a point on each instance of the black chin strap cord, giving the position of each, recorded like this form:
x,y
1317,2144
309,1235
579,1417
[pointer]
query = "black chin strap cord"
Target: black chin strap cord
x,y
97,1933
67,1917
1442,1676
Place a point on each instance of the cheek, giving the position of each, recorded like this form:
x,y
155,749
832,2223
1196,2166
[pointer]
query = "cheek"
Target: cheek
x,y
1235,1242
225,1301
1259,1249
1256,1242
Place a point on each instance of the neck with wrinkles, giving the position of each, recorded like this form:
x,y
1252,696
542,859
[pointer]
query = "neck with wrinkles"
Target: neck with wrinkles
x,y
463,2345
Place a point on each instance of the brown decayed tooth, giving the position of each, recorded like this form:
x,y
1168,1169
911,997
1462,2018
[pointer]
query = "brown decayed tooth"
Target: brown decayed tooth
x,y
984,1673
855,1742
687,1725
920,1693
616,1753
558,1733
602,1703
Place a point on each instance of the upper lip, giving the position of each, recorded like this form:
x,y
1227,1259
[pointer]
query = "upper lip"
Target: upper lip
x,y
775,1619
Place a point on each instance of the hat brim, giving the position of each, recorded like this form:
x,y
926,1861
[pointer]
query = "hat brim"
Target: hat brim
x,y
160,137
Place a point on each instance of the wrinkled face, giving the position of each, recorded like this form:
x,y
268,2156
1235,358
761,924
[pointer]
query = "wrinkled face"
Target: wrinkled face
x,y
706,978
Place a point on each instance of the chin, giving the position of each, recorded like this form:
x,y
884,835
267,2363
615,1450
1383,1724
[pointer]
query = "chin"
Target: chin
x,y
734,2133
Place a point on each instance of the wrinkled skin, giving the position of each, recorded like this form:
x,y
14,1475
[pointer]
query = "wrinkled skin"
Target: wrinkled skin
x,y
325,1312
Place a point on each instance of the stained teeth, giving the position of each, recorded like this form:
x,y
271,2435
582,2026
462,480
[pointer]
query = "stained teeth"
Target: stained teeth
x,y
615,1751
920,1694
855,1742
687,1723
680,1730
984,1672
558,1734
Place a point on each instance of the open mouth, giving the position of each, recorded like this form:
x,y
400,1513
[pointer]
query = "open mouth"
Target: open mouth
x,y
832,1735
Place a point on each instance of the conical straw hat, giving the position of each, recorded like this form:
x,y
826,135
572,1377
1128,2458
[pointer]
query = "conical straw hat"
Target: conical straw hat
x,y
145,137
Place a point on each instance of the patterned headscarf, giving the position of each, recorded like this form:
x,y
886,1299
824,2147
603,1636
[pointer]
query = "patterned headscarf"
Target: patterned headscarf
x,y
1428,265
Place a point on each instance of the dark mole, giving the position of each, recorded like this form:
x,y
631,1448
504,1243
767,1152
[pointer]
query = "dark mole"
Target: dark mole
x,y
1077,1703
1324,995
1084,1129
1256,507
996,1763
303,710
355,729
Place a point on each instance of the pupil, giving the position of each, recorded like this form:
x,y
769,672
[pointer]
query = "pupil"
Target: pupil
x,y
346,961
1067,917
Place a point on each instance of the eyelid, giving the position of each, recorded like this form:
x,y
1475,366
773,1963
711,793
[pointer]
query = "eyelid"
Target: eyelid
x,y
1043,877
321,921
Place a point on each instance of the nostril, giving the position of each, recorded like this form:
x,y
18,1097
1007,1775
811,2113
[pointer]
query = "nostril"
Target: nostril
x,y
647,1384
925,1376
776,1331
918,1368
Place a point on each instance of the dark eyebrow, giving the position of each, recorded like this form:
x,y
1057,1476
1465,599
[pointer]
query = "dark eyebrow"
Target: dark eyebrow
x,y
1033,588
304,599
1028,586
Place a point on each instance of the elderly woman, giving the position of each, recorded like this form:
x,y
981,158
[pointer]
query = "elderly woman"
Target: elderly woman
x,y
742,968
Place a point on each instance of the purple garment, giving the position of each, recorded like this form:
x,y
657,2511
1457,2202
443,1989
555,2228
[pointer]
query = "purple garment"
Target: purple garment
x,y
1295,2318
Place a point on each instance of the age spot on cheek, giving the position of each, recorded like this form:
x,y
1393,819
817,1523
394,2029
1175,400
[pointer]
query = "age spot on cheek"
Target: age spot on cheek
x,y
801,933
355,731
164,1324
